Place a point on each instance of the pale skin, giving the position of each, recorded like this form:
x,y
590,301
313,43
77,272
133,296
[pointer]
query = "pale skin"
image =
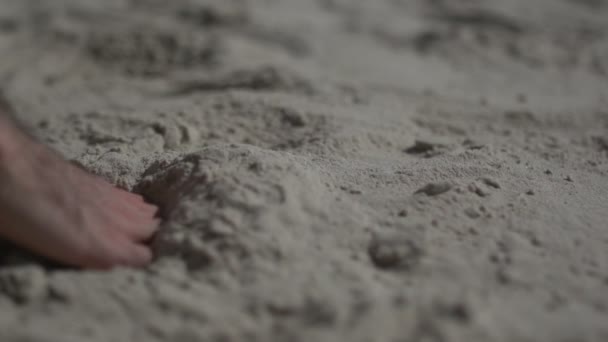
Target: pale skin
x,y
56,210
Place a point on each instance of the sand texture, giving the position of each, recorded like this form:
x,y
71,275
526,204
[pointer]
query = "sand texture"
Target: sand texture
x,y
328,170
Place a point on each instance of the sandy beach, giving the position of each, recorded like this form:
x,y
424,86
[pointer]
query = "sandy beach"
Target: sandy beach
x,y
327,170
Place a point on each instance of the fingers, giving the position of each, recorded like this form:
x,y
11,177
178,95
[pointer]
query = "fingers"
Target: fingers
x,y
141,231
130,200
124,252
133,255
114,193
126,220
130,210
137,223
83,222
141,206
115,250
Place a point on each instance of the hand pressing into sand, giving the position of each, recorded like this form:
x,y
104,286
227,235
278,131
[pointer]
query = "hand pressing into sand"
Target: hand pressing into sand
x,y
59,211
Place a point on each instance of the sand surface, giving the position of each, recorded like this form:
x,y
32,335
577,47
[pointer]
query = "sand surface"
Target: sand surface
x,y
328,170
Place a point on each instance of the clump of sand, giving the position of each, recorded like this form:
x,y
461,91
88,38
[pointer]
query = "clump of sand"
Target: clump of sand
x,y
327,170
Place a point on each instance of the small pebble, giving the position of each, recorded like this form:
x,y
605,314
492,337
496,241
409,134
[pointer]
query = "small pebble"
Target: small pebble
x,y
491,182
434,189
472,144
293,117
392,252
480,191
420,147
472,213
189,134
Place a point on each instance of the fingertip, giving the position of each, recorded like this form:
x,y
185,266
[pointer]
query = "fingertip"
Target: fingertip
x,y
124,252
149,230
156,223
150,209
141,255
142,205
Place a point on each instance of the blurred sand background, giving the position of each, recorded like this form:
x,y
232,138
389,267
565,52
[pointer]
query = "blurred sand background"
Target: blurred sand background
x,y
328,170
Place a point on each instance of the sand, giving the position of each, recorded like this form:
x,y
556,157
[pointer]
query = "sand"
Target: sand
x,y
330,170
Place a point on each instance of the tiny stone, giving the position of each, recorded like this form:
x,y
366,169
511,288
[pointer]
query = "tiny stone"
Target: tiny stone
x,y
293,118
472,213
434,189
569,179
394,253
481,192
173,136
472,145
420,147
530,192
491,182
189,134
